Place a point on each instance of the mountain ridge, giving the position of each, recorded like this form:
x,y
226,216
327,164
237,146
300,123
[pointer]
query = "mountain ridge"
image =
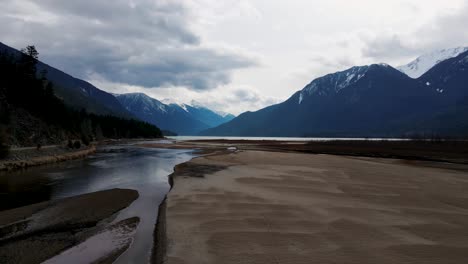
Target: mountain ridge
x,y
364,101
424,63
76,92
182,119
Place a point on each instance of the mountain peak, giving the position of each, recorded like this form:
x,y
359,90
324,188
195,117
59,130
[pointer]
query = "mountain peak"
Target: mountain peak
x,y
337,81
194,103
422,64
224,114
184,119
334,83
168,101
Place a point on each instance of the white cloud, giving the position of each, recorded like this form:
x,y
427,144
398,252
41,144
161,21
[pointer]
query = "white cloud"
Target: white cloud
x,y
233,55
442,31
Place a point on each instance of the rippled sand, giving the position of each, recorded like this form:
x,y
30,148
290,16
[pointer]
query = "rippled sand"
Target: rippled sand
x,y
272,207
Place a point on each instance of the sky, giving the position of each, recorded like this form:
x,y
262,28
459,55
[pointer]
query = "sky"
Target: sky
x,y
229,55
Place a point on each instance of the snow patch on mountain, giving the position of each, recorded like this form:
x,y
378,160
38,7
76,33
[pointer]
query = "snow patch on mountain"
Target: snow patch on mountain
x,y
301,97
147,103
335,82
194,104
173,103
422,64
168,101
183,106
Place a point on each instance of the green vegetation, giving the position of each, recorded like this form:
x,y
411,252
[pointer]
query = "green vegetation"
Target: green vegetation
x,y
25,92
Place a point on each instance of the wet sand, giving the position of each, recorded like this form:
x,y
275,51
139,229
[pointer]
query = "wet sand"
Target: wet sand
x,y
35,233
274,207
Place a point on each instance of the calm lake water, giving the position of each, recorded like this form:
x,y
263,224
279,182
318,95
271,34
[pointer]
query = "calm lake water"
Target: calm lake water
x,y
142,169
277,138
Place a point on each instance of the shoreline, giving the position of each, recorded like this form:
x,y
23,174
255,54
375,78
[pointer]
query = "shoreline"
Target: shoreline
x,y
159,235
218,160
196,173
50,229
452,151
9,165
61,154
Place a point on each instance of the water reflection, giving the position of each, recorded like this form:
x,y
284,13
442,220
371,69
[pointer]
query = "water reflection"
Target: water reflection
x,y
142,169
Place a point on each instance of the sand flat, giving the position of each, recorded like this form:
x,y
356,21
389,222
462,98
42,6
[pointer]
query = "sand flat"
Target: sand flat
x,y
273,207
38,232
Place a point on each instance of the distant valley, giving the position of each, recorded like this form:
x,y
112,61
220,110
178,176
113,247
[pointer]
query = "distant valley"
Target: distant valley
x,y
183,119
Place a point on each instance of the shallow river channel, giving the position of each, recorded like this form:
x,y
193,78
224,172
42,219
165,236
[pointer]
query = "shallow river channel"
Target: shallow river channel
x,y
123,166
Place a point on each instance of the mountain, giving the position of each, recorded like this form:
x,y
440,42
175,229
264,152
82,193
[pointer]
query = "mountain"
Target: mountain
x,y
78,93
449,79
367,101
182,119
425,62
226,116
32,115
208,116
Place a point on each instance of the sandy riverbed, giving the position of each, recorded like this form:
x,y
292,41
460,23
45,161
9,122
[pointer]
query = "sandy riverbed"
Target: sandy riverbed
x,y
35,233
273,207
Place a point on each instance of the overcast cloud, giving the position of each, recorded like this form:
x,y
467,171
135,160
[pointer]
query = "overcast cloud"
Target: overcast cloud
x,y
232,55
443,31
145,43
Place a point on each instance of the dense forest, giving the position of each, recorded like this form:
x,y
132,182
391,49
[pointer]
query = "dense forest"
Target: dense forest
x,y
31,114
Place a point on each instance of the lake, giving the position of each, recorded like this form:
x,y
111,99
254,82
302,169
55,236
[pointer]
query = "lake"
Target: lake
x,y
277,138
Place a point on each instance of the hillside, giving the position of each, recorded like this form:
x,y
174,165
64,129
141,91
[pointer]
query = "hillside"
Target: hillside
x,y
367,101
31,113
77,93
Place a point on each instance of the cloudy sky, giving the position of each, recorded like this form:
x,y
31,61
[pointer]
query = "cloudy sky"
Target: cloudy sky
x,y
231,55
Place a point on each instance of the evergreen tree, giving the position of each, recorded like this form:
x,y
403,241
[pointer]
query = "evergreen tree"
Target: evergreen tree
x,y
22,88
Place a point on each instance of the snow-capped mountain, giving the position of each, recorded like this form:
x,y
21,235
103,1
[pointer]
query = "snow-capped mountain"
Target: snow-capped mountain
x,y
141,102
183,119
225,114
354,102
422,64
367,101
210,117
334,83
450,78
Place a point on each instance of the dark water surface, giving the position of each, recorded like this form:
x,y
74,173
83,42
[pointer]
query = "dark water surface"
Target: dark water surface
x,y
125,166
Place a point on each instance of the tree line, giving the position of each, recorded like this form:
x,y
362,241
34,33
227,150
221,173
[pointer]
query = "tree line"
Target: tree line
x,y
22,87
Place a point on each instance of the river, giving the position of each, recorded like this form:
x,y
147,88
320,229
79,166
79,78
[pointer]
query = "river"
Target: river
x,y
123,166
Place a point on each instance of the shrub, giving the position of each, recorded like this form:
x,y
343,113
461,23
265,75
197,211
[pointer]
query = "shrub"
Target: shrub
x,y
77,144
